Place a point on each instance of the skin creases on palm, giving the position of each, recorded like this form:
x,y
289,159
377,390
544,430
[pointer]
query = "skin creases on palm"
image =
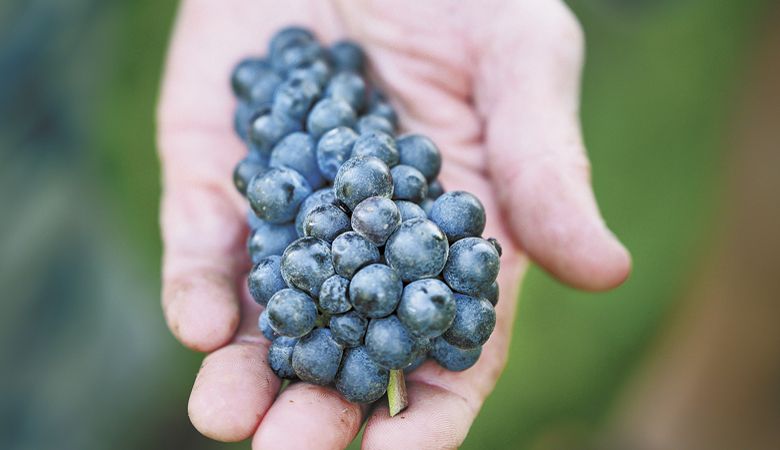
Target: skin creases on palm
x,y
429,57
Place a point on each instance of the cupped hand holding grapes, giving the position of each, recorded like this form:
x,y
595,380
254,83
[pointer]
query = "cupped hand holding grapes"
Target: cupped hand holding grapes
x,y
494,84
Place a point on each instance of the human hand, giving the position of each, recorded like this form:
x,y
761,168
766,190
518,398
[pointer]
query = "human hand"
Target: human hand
x,y
493,83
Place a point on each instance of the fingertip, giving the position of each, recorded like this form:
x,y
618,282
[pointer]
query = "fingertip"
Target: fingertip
x,y
232,392
311,417
435,418
202,310
600,264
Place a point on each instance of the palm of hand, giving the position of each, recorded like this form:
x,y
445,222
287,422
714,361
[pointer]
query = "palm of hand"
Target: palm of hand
x,y
508,132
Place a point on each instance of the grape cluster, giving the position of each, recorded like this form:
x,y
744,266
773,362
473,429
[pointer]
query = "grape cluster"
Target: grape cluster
x,y
364,263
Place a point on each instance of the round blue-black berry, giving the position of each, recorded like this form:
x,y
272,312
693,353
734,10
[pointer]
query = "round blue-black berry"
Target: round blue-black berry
x,y
427,308
280,357
265,326
360,379
348,329
418,249
291,313
351,252
375,290
349,87
295,96
421,153
376,218
297,151
410,210
268,129
333,148
268,238
326,222
347,56
265,279
327,114
360,178
245,170
324,196
333,295
377,144
472,266
474,321
276,194
454,358
408,184
459,214
316,357
389,343
306,264
373,122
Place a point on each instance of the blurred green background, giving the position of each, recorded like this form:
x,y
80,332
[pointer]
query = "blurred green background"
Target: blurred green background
x,y
86,359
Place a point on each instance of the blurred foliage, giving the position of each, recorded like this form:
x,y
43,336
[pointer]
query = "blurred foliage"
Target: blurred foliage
x,y
79,262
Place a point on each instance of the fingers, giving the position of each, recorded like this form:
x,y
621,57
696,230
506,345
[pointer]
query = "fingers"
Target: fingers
x,y
311,417
528,88
233,390
203,236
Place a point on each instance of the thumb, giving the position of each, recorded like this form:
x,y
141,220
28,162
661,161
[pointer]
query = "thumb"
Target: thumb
x,y
536,156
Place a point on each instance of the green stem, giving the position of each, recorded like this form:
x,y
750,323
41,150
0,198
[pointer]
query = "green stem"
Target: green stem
x,y
396,392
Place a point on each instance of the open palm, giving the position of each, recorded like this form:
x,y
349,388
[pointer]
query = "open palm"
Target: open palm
x,y
493,83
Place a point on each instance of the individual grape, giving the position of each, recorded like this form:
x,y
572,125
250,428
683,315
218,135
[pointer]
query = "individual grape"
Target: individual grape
x,y
421,153
246,73
474,321
347,56
276,194
410,210
491,293
360,379
268,238
349,87
267,129
265,326
327,114
297,151
316,357
324,196
376,218
377,144
375,290
306,264
333,295
384,109
333,148
360,178
326,222
295,96
291,313
246,169
427,308
435,189
459,214
287,37
408,184
418,249
372,122
348,329
351,252
265,279
454,358
472,266
389,343
280,357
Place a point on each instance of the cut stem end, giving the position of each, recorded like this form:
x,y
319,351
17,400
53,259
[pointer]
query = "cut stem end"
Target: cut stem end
x,y
397,399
